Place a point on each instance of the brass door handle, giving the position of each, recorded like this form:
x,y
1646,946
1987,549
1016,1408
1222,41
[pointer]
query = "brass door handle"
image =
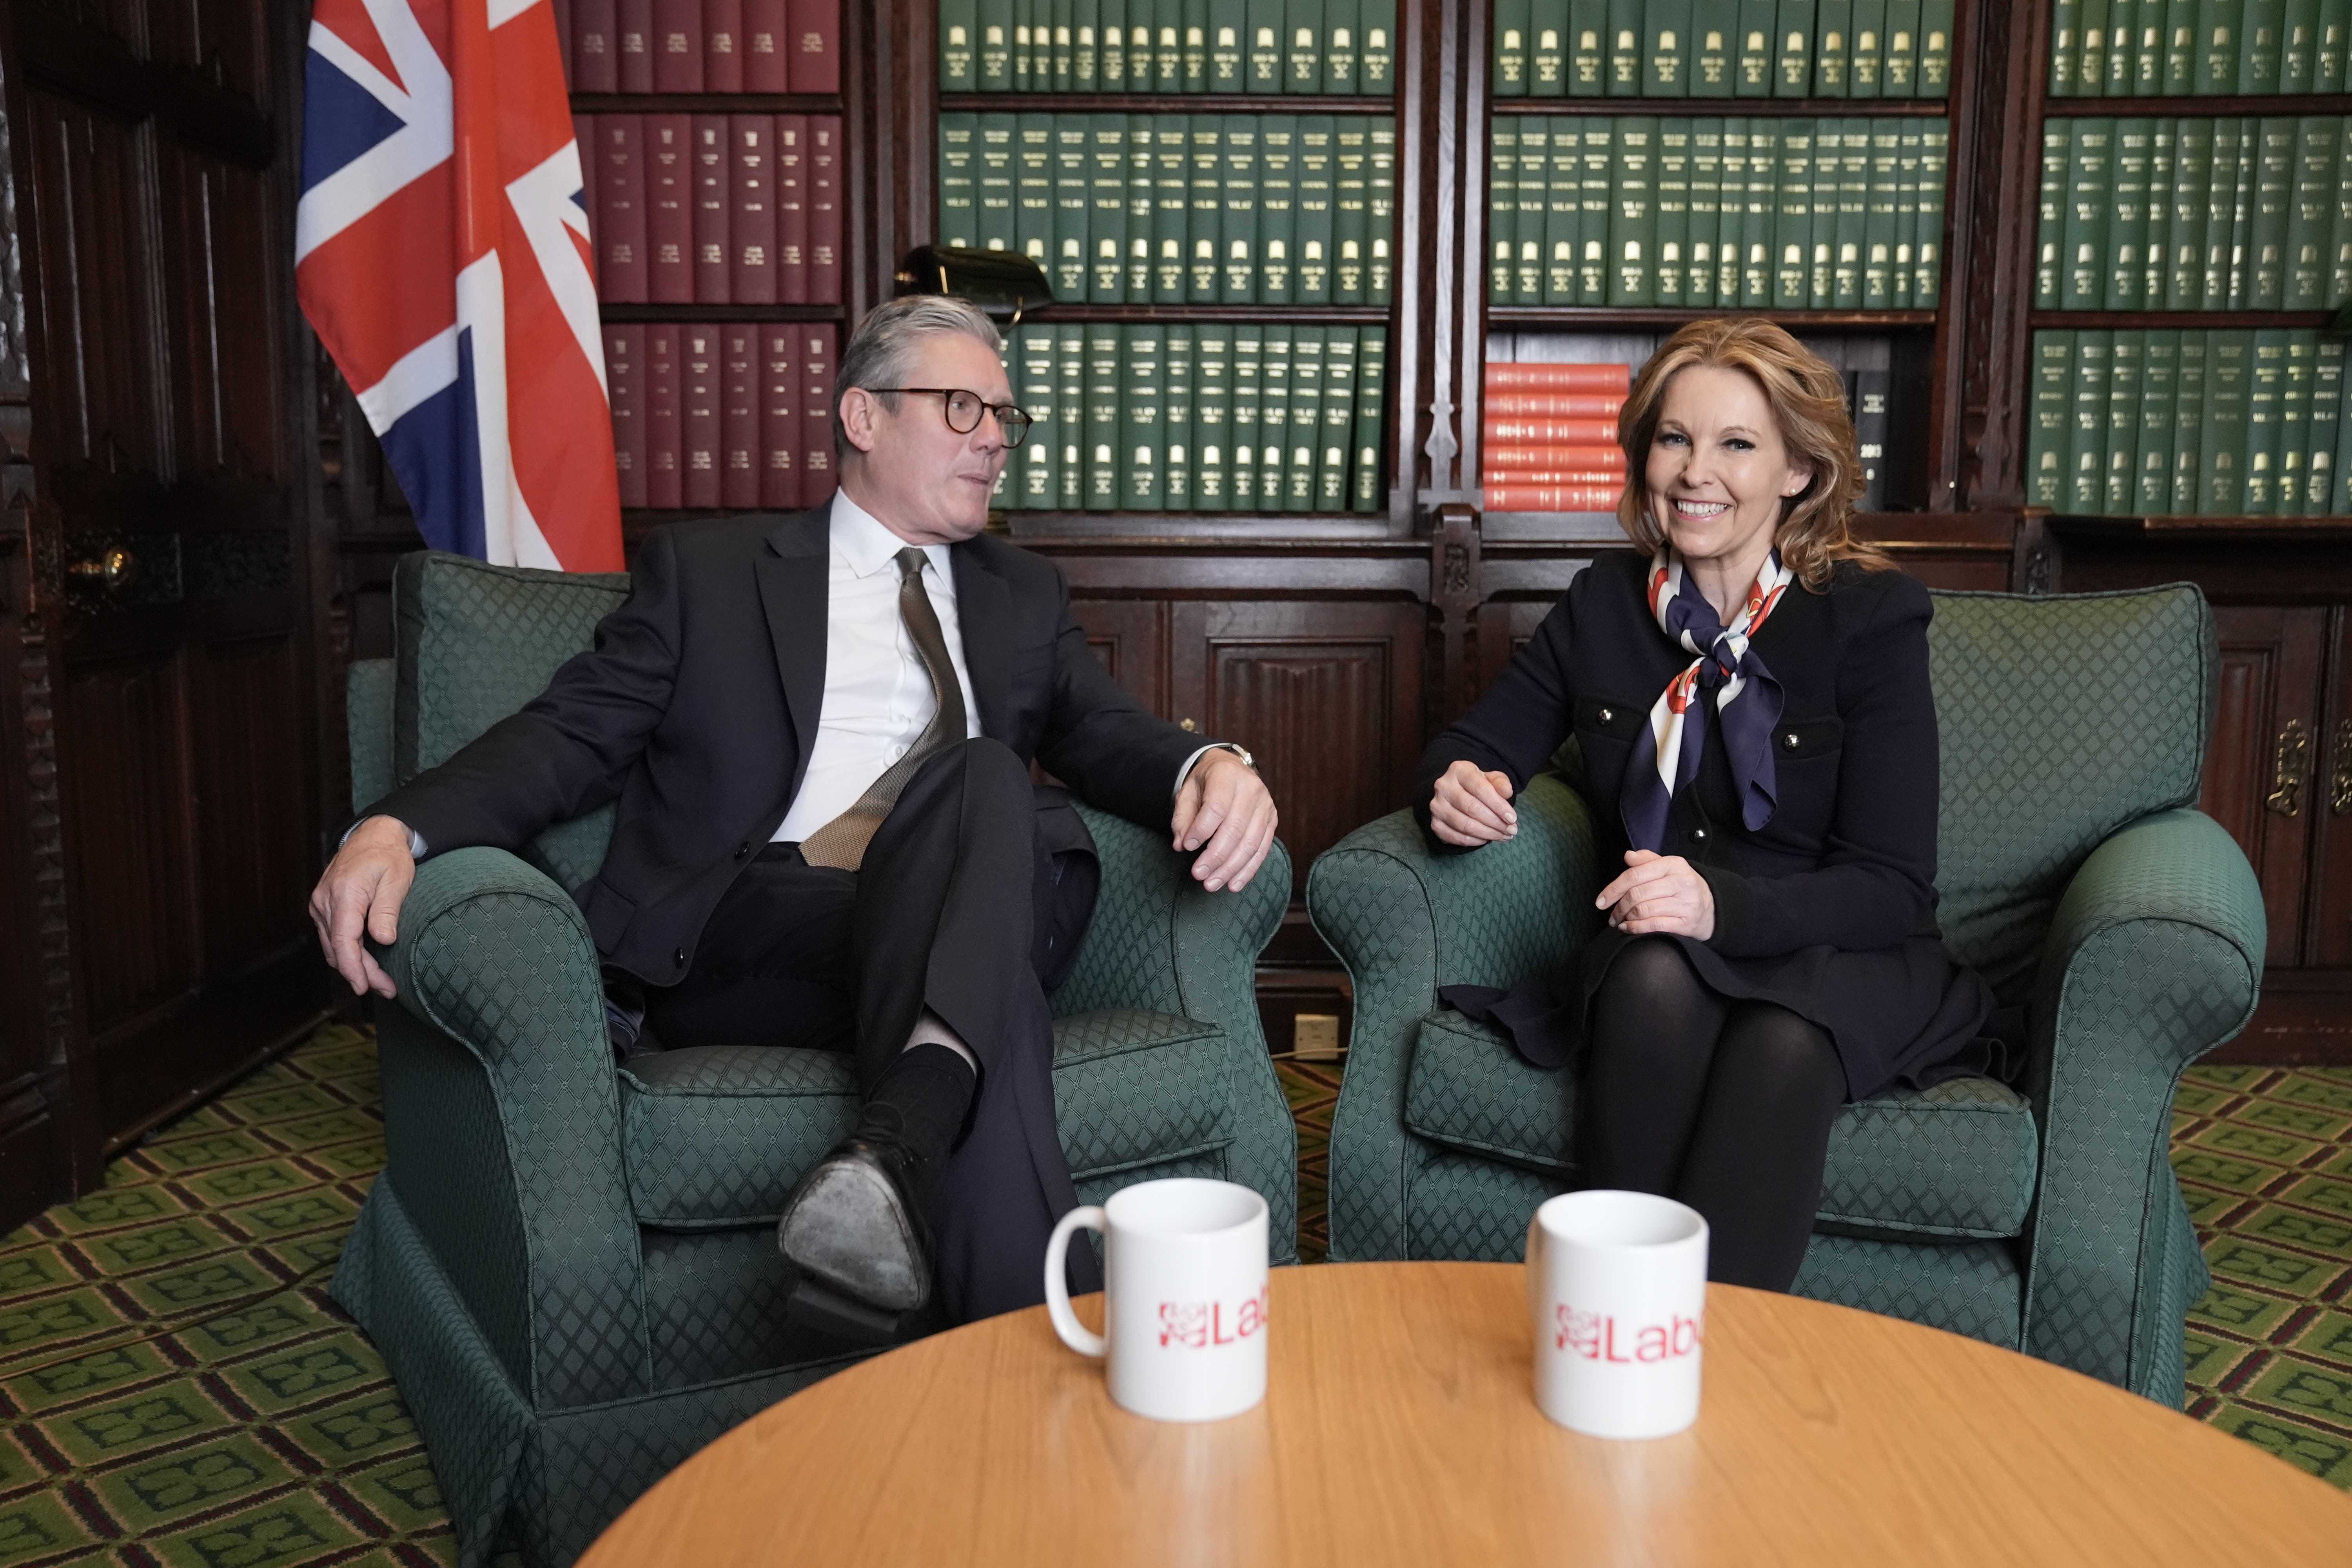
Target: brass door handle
x,y
2292,768
110,570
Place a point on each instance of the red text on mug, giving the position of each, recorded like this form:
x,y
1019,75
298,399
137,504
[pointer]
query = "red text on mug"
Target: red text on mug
x,y
1203,1325
1597,1336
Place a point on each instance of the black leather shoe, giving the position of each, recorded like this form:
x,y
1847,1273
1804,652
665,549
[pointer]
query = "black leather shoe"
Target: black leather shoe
x,y
855,1231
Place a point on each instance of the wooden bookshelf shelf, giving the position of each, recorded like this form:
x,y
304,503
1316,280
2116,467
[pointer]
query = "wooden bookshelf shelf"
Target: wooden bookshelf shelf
x,y
1237,315
2275,104
706,103
2178,523
2183,319
1151,102
719,313
1593,318
1707,107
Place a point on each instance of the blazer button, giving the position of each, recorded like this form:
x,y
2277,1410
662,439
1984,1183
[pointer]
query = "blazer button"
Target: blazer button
x,y
1608,715
1789,742
1698,834
741,850
681,958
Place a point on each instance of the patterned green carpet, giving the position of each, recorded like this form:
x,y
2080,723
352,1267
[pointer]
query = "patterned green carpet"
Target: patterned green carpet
x,y
176,1387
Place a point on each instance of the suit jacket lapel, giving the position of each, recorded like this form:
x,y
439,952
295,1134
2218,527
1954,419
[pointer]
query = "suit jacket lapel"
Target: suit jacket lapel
x,y
984,606
793,582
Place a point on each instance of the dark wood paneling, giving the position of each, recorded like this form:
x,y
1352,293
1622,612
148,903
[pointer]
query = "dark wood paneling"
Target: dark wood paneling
x,y
2258,770
254,851
2327,940
1130,638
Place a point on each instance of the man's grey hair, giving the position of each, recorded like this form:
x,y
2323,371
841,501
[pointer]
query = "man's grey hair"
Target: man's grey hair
x,y
881,353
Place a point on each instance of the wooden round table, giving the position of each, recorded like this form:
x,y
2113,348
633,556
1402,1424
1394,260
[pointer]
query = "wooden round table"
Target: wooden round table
x,y
1398,1428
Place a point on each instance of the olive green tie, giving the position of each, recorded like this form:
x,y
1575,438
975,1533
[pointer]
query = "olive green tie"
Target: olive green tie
x,y
842,842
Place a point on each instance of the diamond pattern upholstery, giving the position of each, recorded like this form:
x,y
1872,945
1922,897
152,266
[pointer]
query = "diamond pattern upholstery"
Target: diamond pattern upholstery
x,y
2072,873
570,1270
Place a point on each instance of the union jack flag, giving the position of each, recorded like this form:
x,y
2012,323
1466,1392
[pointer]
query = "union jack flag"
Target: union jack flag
x,y
441,251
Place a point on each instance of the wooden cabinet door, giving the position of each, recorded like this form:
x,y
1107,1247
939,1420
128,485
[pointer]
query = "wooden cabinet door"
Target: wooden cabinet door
x,y
2328,803
2262,767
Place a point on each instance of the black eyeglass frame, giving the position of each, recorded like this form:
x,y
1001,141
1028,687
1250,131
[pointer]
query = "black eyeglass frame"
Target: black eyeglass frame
x,y
1015,428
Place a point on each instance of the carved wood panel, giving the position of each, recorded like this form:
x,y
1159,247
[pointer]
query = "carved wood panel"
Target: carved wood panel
x,y
253,850
2329,802
2263,763
219,227
1130,638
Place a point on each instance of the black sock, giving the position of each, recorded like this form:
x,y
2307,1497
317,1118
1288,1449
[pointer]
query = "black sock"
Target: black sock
x,y
922,1098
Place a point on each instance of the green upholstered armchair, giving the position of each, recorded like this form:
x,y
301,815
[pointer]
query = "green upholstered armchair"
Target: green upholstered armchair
x,y
2075,876
572,1269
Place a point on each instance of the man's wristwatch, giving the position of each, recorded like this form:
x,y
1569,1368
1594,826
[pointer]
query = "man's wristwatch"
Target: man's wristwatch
x,y
1242,752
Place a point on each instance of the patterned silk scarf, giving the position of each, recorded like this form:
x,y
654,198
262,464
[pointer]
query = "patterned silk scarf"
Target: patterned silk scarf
x,y
1746,699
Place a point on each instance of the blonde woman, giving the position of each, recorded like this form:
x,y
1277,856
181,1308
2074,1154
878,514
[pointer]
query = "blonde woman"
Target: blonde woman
x,y
1748,690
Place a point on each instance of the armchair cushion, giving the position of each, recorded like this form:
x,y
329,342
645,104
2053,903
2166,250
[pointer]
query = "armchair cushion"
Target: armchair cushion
x,y
1957,1161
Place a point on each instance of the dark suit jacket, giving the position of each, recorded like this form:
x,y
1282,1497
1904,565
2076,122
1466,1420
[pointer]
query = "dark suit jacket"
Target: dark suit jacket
x,y
1848,860
697,708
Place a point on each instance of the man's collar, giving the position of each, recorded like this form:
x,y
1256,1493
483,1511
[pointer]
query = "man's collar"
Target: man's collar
x,y
867,547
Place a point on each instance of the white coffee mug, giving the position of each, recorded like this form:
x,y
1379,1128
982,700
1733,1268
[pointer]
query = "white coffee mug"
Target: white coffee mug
x,y
1184,1282
1617,1288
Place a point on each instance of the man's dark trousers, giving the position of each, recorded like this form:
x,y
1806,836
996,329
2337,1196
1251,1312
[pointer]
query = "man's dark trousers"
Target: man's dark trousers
x,y
939,915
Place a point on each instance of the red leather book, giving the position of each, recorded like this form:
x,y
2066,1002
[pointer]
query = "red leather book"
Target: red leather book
x,y
780,416
817,476
624,387
595,45
1551,455
635,28
1552,432
739,415
711,172
1552,405
1552,498
564,41
722,45
669,209
766,67
825,210
814,28
1616,378
791,208
677,46
700,367
617,220
1546,478
665,428
752,219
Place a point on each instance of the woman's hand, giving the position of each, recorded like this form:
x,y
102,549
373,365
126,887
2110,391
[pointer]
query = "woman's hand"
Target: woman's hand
x,y
1658,893
1470,808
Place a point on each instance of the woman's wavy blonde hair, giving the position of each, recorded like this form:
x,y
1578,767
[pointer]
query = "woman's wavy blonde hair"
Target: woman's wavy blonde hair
x,y
1808,401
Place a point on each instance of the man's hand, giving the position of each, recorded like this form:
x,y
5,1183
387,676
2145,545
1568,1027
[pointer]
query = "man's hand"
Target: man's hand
x,y
1469,808
1224,806
1659,892
362,890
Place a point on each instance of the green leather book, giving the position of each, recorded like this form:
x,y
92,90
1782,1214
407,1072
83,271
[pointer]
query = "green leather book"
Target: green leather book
x,y
1249,388
1037,363
2177,72
1833,49
1111,58
1065,51
1751,54
1820,253
1142,204
1380,217
1024,47
1339,432
1086,46
1238,241
1033,187
1350,208
1595,203
1621,44
2311,212
1503,209
1731,225
1106,208
1376,56
1171,209
1792,49
1535,172
1632,224
2340,492
1587,69
2217,46
2134,32
2083,252
2298,45
2128,215
2229,366
1759,259
1204,221
1176,419
2159,386
1073,200
2188,425
2091,57
1168,47
1666,49
2274,196
2326,413
1715,33
1878,228
1670,203
1302,52
1852,213
998,224
1371,383
1318,149
2244,204
1706,213
2087,452
1899,75
1563,215
1546,52
1070,412
2163,167
1866,72
1147,21
2065,48
1212,421
2339,282
2265,388
1140,387
2258,71
2193,189
1910,145
959,181
1262,49
2048,436
2051,233
958,41
995,20
2327,65
1193,46
1273,420
1936,48
1278,208
2294,425
1302,451
1106,343
1792,227
2220,209
1509,70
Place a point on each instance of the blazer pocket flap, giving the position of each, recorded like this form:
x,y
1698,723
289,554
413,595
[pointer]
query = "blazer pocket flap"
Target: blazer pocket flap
x,y
1607,715
1813,738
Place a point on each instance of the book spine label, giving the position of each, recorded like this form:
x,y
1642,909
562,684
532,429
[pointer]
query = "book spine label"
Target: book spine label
x,y
1249,403
1212,424
2159,379
625,366
2177,66
1792,62
1032,189
2339,281
669,219
665,431
2229,366
1106,210
739,415
1714,35
1510,36
959,45
1833,49
1753,51
780,429
752,219
1621,47
1793,215
1869,428
1139,486
1535,162
1237,254
1038,458
1562,499
722,45
1612,380
677,46
2087,437
812,61
2311,212
2188,425
1377,66
1900,72
1176,419
712,273
1228,47
1351,209
595,45
2295,419
2126,215
825,210
998,224
2273,193
1706,213
1070,412
1105,343
1541,405
1821,252
1277,207
1072,198
1670,202
2083,251
2192,185
1302,46
1546,61
1866,75
816,363
1371,386
1631,224
2265,385
1339,431
1935,19
1556,431
618,141
2326,413
2048,445
789,142
1317,171
2163,169
2258,63
1666,49
2327,67
698,392
633,25
1305,419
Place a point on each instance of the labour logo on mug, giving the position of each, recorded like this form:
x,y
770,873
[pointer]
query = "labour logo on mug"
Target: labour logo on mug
x,y
1202,1325
1598,1336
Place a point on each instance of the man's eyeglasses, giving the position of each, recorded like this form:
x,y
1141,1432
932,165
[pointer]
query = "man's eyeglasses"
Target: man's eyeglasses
x,y
963,410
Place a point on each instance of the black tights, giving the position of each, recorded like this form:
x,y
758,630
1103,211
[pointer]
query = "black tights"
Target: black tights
x,y
1724,1105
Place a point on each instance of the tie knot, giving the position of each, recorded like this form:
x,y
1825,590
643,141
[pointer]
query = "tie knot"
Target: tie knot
x,y
911,564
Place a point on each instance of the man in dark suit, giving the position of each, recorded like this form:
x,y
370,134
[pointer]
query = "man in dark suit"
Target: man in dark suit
x,y
819,730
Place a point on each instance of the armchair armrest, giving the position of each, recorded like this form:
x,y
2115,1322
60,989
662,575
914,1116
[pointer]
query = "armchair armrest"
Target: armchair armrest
x,y
503,1123
1406,921
367,720
2153,958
